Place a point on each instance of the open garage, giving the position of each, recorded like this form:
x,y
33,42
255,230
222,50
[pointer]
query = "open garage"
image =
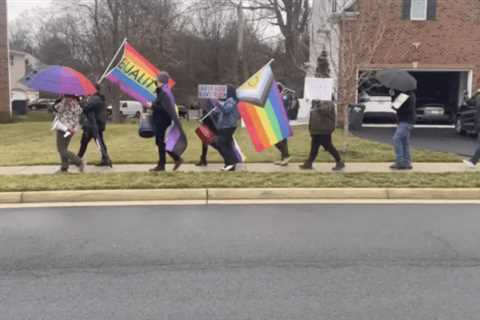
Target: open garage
x,y
440,93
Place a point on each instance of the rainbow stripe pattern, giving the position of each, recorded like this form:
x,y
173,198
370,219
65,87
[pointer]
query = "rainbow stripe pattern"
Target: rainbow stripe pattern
x,y
136,76
267,124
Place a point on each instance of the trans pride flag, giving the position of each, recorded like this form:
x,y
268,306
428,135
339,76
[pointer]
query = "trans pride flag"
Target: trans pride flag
x,y
136,76
261,108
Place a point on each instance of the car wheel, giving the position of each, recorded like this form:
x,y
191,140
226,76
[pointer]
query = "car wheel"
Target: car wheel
x,y
459,127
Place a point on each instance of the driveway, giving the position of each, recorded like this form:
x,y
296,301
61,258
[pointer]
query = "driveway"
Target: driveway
x,y
436,138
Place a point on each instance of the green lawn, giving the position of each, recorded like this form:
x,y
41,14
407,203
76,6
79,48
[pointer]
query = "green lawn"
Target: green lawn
x,y
32,143
236,180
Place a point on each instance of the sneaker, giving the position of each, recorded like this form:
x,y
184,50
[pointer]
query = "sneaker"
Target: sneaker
x,y
306,166
82,165
278,162
339,167
201,163
178,164
469,164
158,169
285,162
398,167
229,168
105,163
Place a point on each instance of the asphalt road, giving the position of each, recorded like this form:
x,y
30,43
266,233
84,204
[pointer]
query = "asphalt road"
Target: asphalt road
x,y
241,262
436,139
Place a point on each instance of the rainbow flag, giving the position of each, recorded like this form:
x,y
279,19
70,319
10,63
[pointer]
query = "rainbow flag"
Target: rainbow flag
x,y
261,108
136,76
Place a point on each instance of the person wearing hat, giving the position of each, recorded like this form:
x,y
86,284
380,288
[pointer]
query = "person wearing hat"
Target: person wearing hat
x,y
164,114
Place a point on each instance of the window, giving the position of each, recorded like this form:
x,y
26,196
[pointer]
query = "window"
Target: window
x,y
418,10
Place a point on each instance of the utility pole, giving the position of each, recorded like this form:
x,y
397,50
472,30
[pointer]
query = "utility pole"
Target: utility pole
x,y
241,66
5,108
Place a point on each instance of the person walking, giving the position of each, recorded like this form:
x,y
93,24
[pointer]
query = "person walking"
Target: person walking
x,y
473,161
406,117
68,113
227,120
282,146
95,115
322,125
164,115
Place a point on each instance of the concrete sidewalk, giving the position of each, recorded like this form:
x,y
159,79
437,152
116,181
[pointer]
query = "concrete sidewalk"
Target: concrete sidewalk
x,y
249,167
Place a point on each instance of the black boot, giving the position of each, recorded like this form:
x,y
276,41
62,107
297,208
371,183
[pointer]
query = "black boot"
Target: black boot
x,y
306,166
202,163
339,167
158,168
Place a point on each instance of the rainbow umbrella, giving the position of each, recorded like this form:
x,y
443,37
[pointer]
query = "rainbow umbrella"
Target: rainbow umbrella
x,y
60,80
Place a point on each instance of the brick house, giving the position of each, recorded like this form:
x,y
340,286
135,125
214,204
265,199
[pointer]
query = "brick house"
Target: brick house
x,y
438,41
5,114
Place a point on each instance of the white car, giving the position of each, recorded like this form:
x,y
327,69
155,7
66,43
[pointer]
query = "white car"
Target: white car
x,y
131,109
378,107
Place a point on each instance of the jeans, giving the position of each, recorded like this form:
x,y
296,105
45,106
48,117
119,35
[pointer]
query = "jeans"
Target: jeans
x,y
324,140
476,157
401,142
87,136
282,146
225,145
66,156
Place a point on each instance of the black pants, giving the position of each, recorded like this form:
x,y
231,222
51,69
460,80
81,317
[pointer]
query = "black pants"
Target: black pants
x,y
87,136
225,145
476,156
282,146
324,140
160,132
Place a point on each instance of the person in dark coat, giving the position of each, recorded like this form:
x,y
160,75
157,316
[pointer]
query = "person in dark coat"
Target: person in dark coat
x,y
164,115
322,125
406,117
94,125
282,146
228,117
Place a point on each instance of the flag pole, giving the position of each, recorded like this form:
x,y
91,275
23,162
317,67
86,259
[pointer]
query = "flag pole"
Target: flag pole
x,y
111,62
270,62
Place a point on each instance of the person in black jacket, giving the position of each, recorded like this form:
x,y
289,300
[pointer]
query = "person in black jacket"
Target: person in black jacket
x,y
94,125
406,116
164,115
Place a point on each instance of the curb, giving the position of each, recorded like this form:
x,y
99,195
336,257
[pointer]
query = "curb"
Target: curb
x,y
206,195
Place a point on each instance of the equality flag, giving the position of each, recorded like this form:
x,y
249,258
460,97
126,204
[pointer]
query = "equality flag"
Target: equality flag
x,y
261,108
135,75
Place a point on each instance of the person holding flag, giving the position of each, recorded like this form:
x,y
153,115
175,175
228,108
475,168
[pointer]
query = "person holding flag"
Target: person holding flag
x,y
165,117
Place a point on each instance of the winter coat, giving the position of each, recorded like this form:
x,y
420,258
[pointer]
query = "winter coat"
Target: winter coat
x,y
407,112
322,118
96,114
68,113
228,115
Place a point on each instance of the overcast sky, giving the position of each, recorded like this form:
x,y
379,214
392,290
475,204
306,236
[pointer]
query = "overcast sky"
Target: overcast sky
x,y
15,7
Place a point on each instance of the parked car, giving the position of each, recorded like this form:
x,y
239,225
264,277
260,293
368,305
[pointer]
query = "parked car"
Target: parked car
x,y
434,112
41,104
128,109
468,117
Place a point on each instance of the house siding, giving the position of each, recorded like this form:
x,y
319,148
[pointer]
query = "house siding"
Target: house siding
x,y
5,115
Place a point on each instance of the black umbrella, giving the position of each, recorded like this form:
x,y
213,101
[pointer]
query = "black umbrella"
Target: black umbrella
x,y
397,79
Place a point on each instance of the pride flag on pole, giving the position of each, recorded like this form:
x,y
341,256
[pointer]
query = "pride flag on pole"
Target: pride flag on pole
x,y
261,108
135,75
